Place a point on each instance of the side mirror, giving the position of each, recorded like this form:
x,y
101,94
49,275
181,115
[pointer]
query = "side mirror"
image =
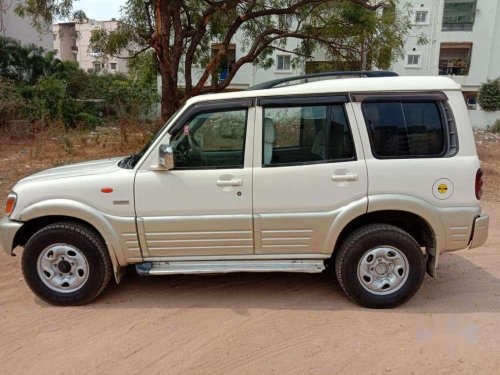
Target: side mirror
x,y
165,157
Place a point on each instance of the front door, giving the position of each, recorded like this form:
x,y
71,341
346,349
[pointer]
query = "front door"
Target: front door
x,y
203,206
310,168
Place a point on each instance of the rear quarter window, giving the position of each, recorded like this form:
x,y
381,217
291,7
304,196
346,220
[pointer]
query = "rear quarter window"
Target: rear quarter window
x,y
405,129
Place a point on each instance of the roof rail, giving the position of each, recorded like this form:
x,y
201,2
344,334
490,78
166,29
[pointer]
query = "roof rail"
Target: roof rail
x,y
359,74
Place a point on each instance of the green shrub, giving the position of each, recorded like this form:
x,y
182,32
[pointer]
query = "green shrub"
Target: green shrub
x,y
36,86
489,95
495,128
48,99
88,119
12,104
122,95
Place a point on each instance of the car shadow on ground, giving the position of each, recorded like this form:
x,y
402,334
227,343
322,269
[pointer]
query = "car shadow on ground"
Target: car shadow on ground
x,y
458,279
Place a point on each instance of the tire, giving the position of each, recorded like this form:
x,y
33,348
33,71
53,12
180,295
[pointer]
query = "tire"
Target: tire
x,y
394,281
66,264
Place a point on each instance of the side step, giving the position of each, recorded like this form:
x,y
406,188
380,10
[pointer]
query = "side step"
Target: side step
x,y
227,266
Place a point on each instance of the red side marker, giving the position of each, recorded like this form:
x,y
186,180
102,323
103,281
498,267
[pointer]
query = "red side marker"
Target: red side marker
x,y
106,190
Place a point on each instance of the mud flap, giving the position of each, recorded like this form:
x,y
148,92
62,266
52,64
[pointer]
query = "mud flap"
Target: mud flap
x,y
431,262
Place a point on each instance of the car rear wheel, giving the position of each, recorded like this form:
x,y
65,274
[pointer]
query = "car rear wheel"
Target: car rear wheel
x,y
66,264
380,266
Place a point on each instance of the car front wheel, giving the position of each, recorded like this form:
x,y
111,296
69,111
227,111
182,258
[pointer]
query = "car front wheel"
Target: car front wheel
x,y
66,264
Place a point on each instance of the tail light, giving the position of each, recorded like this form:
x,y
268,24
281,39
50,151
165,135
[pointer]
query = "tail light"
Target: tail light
x,y
479,183
10,203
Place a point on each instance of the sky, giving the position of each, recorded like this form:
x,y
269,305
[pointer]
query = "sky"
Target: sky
x,y
100,9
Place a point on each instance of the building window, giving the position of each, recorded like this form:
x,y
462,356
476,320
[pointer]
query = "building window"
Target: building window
x,y
470,100
413,60
454,58
97,67
421,17
459,15
226,63
95,52
283,62
113,65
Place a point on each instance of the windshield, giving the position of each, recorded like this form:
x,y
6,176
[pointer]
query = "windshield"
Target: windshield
x,y
130,161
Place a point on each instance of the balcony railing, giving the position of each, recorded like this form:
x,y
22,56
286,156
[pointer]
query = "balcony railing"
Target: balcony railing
x,y
455,66
457,26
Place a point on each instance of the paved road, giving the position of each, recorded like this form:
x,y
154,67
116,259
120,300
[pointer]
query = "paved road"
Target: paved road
x,y
260,324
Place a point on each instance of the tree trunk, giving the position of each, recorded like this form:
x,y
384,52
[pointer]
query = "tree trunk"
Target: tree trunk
x,y
169,95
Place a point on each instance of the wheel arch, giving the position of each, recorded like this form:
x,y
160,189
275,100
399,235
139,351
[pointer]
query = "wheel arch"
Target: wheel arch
x,y
32,226
40,214
413,224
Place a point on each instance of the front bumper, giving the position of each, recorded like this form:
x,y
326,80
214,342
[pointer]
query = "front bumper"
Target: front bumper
x,y
8,230
480,231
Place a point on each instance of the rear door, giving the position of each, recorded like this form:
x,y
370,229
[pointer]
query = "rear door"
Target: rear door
x,y
308,167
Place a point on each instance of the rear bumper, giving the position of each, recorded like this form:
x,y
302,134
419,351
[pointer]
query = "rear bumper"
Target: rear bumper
x,y
8,230
480,231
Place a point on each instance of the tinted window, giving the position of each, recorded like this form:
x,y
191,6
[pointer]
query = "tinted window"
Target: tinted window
x,y
306,134
399,129
215,140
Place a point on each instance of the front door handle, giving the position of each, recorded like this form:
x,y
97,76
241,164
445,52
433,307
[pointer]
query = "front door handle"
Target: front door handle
x,y
345,177
231,182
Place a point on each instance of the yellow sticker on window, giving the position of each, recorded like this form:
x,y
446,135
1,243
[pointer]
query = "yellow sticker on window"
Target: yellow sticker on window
x,y
442,188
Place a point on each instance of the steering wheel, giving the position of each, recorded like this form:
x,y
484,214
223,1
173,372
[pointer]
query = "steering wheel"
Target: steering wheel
x,y
196,152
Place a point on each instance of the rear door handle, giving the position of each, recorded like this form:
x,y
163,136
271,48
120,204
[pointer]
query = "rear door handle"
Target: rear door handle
x,y
345,177
231,182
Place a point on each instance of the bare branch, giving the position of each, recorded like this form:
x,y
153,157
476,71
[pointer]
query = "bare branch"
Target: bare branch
x,y
133,56
288,51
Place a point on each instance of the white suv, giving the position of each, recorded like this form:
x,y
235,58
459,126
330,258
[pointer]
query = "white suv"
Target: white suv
x,y
373,177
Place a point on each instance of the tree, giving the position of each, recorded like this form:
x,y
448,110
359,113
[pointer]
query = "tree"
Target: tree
x,y
489,95
21,62
181,33
27,63
364,39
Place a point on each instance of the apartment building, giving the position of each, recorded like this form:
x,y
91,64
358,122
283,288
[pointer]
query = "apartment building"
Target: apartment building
x,y
13,26
463,42
71,41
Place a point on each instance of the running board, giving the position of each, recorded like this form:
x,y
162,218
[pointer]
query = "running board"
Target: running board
x,y
227,266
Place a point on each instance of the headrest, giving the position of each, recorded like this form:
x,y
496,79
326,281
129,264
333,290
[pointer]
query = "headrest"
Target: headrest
x,y
372,113
269,131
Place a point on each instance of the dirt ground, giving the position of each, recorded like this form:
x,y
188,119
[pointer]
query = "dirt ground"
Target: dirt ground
x,y
256,323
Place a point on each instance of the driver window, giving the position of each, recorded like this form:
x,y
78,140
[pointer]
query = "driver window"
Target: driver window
x,y
211,140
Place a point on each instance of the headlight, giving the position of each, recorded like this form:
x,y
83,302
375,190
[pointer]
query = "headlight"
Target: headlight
x,y
10,203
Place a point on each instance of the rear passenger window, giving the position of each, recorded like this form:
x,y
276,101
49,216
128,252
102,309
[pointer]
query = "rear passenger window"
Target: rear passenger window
x,y
308,134
405,129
